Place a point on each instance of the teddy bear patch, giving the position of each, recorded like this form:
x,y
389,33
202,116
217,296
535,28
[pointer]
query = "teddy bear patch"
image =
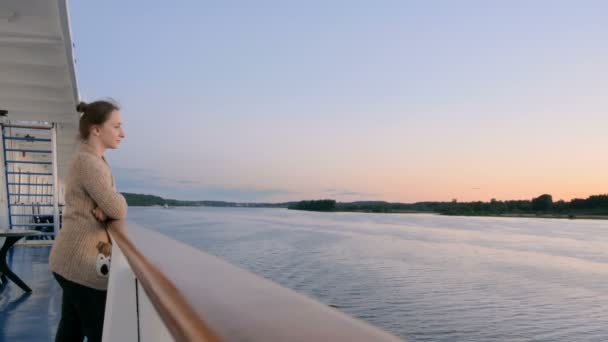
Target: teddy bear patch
x,y
102,265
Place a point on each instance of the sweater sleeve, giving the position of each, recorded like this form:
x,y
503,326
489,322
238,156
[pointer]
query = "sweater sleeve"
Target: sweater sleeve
x,y
97,182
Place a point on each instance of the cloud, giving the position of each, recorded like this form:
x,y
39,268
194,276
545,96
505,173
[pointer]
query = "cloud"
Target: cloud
x,y
148,182
351,193
188,182
348,194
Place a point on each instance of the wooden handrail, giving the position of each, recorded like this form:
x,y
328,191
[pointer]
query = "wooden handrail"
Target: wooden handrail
x,y
179,316
203,298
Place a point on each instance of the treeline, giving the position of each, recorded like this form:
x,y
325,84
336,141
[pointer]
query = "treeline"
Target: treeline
x,y
141,200
543,205
315,205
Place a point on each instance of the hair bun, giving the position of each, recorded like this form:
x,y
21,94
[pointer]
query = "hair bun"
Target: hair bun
x,y
81,107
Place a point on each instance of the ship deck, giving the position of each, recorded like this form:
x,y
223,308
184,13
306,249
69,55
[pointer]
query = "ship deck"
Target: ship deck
x,y
30,316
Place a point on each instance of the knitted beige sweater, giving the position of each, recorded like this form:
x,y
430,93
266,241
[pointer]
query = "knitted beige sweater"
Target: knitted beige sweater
x,y
78,253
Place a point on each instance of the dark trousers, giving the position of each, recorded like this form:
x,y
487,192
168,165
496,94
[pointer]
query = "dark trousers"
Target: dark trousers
x,y
82,311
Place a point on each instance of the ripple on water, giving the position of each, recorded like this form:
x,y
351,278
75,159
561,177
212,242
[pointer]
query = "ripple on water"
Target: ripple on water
x,y
422,277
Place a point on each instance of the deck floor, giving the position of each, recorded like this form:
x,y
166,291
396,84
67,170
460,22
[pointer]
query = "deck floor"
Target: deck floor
x,y
34,316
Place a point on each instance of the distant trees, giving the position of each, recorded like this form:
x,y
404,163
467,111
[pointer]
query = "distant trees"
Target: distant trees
x,y
143,200
315,205
542,203
594,205
594,202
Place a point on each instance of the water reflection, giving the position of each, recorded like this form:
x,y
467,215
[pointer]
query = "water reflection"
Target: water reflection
x,y
423,277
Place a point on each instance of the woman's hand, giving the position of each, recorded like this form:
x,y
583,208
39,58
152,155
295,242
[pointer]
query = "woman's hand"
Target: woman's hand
x,y
99,214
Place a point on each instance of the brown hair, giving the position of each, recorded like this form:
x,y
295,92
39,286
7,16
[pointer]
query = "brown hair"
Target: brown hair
x,y
94,113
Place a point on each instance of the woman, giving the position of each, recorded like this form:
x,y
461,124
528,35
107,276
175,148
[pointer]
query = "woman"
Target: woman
x,y
80,258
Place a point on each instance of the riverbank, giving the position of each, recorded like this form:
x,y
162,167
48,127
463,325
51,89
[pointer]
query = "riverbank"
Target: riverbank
x,y
553,216
521,215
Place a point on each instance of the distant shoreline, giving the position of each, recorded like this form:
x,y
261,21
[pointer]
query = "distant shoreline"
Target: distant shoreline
x,y
512,215
594,207
552,216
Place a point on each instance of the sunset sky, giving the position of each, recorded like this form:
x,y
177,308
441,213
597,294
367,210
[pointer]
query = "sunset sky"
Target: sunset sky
x,y
352,100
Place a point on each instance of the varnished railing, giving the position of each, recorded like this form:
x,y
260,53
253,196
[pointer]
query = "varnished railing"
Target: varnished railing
x,y
173,308
200,297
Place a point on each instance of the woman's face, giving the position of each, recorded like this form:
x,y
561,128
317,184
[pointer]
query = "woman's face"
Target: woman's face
x,y
111,132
